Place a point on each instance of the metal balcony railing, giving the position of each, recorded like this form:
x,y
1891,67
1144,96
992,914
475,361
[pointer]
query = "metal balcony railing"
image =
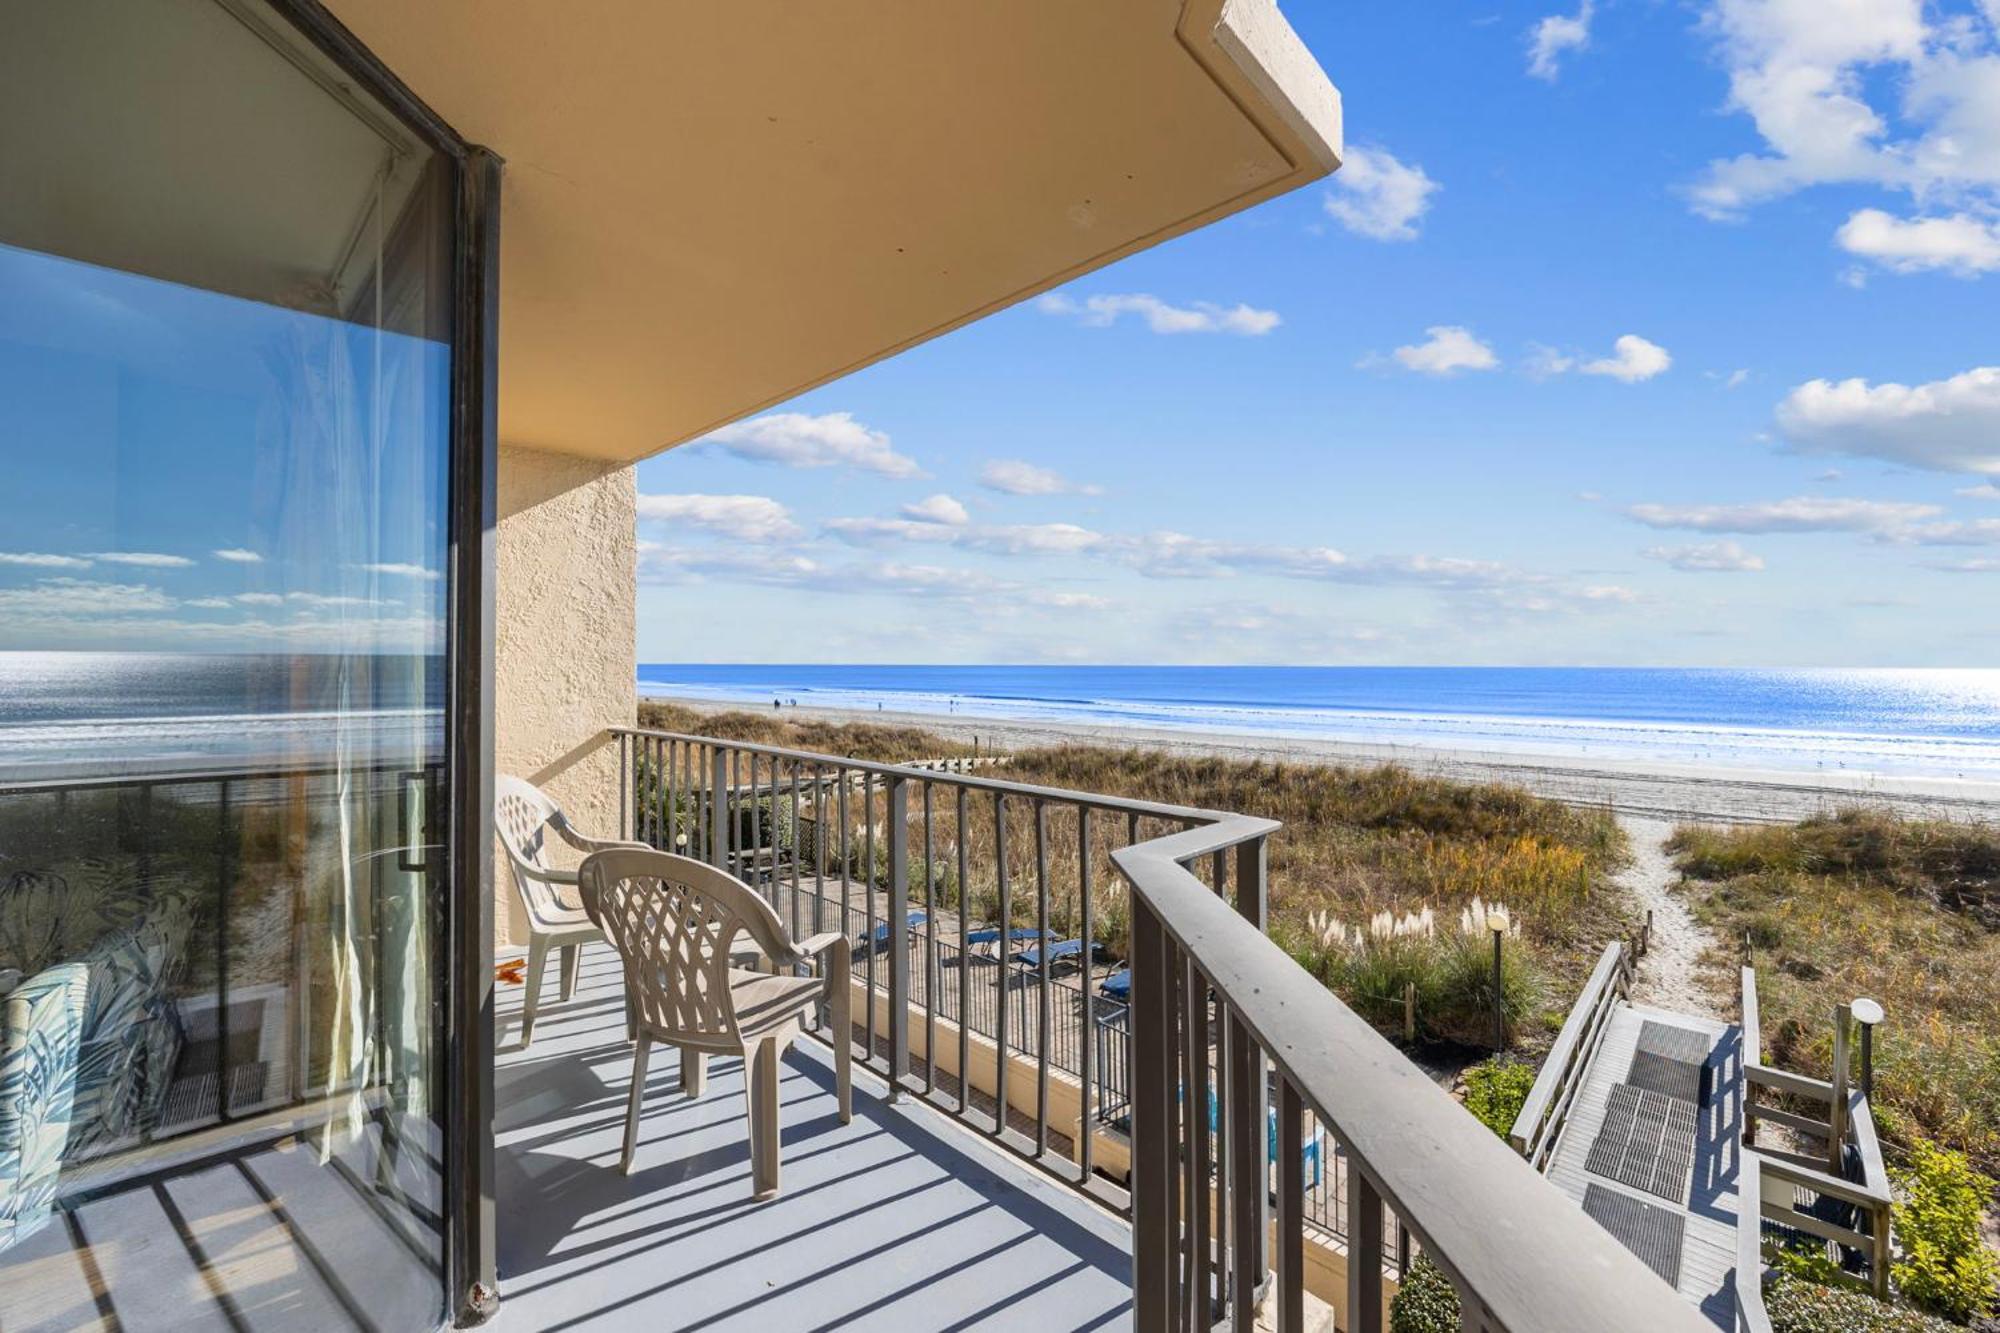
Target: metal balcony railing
x,y
928,862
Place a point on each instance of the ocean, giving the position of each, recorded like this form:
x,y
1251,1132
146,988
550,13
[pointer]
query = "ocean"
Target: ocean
x,y
1935,723
78,714
90,714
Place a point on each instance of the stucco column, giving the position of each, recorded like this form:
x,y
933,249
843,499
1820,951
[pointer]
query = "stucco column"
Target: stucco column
x,y
564,651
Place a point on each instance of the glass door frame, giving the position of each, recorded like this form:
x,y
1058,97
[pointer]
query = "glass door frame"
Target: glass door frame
x,y
465,971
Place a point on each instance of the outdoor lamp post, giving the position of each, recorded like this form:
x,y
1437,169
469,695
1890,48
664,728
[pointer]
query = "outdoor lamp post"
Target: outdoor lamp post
x,y
1497,923
1867,1013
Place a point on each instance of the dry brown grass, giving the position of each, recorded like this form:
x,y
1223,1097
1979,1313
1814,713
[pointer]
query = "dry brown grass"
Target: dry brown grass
x,y
1355,841
1865,903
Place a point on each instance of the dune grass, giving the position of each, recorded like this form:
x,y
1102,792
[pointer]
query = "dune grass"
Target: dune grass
x,y
1865,903
1355,842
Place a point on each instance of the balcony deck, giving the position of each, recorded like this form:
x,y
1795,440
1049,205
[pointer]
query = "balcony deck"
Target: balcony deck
x,y
899,1219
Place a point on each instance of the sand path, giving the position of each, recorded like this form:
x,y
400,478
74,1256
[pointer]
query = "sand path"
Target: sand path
x,y
1669,976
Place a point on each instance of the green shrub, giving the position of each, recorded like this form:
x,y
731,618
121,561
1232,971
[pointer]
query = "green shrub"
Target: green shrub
x,y
1798,1306
1426,1302
1808,1260
1945,1268
1459,1004
1495,1091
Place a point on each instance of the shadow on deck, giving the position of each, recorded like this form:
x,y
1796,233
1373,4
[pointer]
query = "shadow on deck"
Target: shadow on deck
x,y
897,1219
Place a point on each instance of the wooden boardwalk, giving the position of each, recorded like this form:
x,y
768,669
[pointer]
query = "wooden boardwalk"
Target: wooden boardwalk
x,y
1705,1197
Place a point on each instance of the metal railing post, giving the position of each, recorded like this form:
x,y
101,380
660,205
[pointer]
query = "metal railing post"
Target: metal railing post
x,y
1836,1135
1154,1181
1253,903
1364,1250
898,924
718,807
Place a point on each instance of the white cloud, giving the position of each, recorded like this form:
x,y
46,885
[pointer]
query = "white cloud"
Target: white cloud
x,y
883,531
1200,317
1981,565
1960,244
1375,195
37,560
1011,476
142,559
209,603
314,601
1263,631
1033,539
404,571
1983,491
82,597
1802,513
1545,362
1449,349
1070,601
663,564
1633,359
260,598
1810,75
742,518
237,555
1015,539
1950,425
937,509
1707,557
832,439
1735,379
1557,33
1974,532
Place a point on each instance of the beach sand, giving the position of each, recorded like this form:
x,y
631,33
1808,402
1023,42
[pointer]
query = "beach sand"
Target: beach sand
x,y
1634,789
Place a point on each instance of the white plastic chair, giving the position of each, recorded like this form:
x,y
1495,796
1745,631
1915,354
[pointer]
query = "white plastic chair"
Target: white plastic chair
x,y
522,815
675,922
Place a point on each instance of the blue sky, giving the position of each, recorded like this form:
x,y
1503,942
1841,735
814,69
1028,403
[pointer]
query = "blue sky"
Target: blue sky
x,y
173,482
1636,333
1632,332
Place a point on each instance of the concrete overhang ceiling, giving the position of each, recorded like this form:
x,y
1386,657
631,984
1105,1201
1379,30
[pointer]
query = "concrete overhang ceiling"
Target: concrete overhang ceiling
x,y
710,208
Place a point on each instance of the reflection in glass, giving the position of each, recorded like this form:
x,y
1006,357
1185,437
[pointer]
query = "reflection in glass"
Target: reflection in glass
x,y
223,419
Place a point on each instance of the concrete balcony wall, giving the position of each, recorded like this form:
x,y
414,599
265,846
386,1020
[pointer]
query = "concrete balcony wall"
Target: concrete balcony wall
x,y
564,656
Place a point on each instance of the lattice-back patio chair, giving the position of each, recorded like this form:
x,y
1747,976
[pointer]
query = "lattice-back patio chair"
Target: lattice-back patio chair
x,y
523,815
675,921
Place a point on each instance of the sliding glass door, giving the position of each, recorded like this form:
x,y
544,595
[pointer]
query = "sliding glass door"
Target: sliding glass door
x,y
227,316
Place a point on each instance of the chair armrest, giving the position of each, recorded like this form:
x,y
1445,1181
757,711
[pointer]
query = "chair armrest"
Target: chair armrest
x,y
837,952
819,943
586,844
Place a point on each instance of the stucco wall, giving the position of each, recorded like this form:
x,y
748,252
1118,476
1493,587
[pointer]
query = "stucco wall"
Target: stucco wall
x,y
563,642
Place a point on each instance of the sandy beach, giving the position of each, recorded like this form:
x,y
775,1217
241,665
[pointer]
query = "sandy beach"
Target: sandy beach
x,y
1636,790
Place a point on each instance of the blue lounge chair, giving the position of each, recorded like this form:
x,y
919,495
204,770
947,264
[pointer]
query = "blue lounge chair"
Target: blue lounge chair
x,y
991,935
1064,951
1117,986
880,939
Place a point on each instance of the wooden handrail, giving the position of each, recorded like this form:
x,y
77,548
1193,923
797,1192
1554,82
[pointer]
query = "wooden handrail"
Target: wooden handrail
x,y
1748,1279
1542,1114
1849,1121
1522,1256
